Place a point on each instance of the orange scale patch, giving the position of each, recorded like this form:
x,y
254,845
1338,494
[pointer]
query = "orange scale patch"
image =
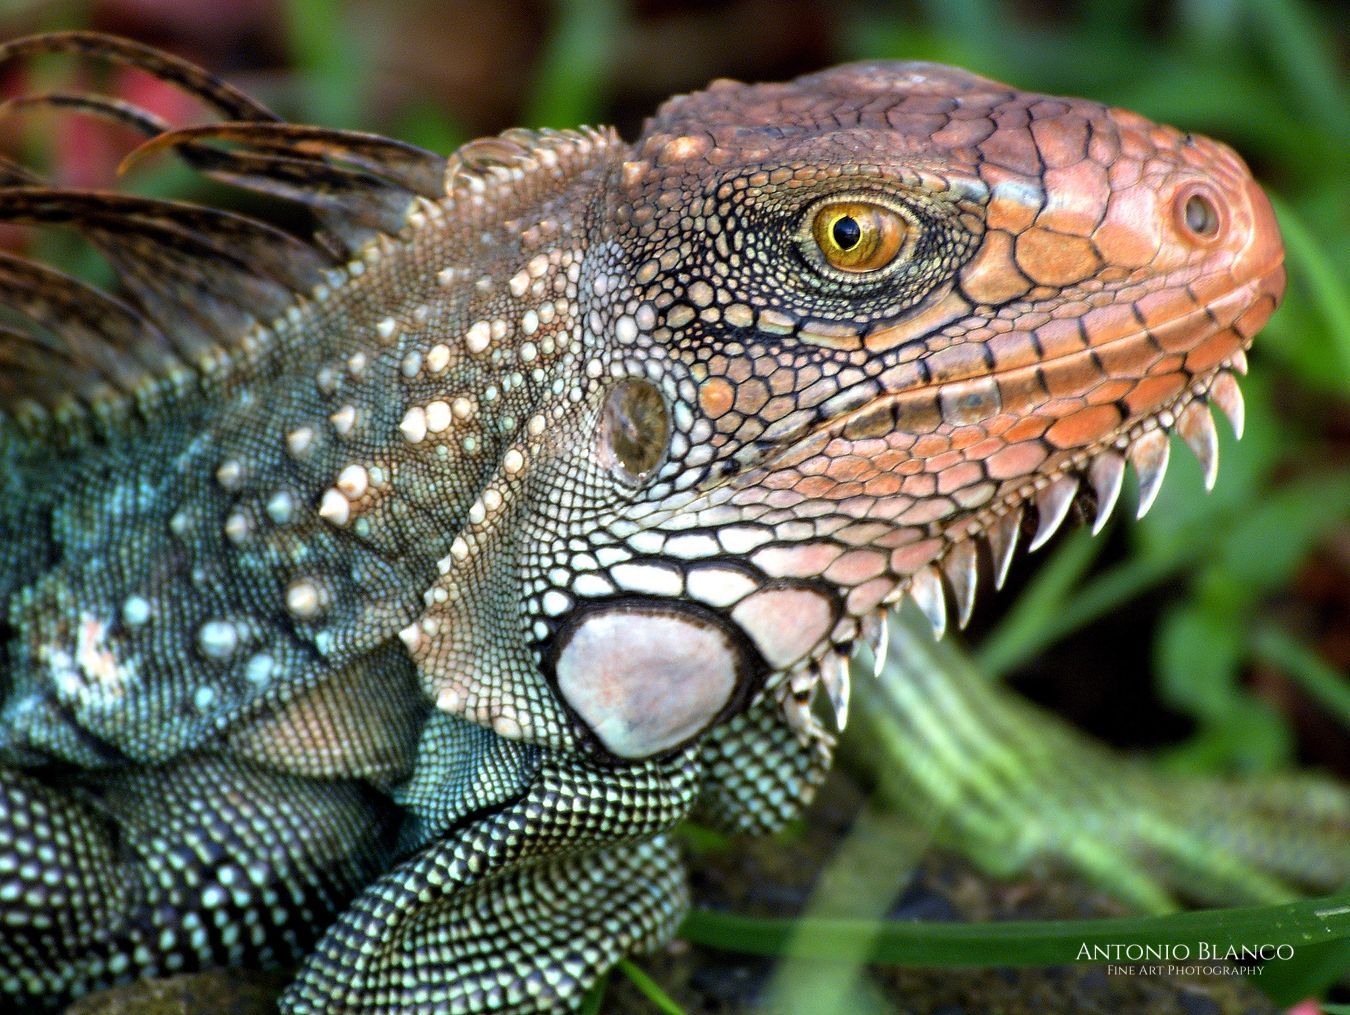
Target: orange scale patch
x,y
1110,321
968,436
1061,407
1055,259
1068,379
1168,364
922,485
851,468
1021,459
996,427
1060,336
1027,428
1158,308
1151,392
989,446
959,476
1013,349
1124,173
1212,352
1108,391
843,491
1127,359
1176,337
938,463
715,397
930,445
1211,287
883,485
1076,192
815,487
890,460
1084,427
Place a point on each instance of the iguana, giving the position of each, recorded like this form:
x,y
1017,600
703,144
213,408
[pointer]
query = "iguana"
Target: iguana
x,y
382,591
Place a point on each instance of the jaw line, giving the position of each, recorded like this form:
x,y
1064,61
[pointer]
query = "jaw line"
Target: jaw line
x,y
809,434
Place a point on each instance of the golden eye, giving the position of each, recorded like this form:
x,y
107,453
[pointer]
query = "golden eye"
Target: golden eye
x,y
856,236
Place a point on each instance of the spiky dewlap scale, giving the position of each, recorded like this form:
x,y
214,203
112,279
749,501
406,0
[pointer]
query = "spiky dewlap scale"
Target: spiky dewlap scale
x,y
380,597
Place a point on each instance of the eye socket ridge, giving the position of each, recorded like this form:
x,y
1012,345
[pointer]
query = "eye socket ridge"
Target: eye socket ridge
x,y
857,237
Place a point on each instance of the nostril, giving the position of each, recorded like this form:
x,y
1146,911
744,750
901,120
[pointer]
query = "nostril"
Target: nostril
x,y
1198,213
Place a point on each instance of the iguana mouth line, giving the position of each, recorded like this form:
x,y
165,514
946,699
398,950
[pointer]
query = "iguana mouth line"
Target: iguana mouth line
x,y
1245,295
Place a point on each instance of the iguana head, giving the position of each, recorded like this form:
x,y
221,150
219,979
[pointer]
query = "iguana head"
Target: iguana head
x,y
845,330
664,426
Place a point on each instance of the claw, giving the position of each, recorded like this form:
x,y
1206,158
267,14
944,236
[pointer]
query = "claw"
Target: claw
x,y
1106,475
1224,393
835,676
962,568
1149,454
1239,361
1196,427
1052,504
926,590
1002,538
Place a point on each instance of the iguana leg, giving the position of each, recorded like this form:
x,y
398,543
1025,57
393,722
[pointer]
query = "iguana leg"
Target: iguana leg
x,y
148,871
522,907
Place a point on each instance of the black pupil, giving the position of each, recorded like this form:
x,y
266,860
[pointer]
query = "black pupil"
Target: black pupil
x,y
846,232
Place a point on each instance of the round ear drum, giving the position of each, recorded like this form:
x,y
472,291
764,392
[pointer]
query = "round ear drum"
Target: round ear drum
x,y
634,430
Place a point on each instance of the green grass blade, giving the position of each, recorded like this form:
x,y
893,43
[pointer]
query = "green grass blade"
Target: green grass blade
x,y
649,988
1313,969
595,997
1022,942
1303,665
